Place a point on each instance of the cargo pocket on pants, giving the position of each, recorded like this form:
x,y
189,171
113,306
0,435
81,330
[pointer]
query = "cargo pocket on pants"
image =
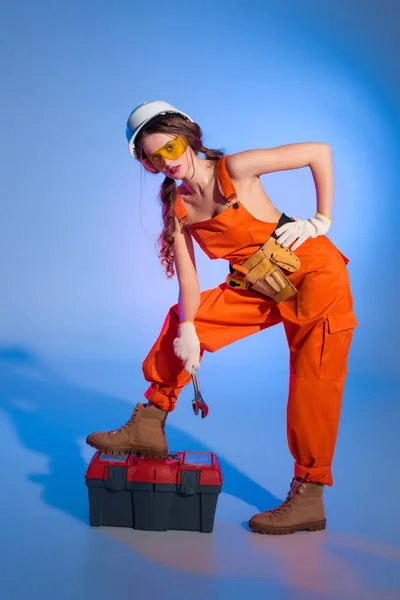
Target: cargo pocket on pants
x,y
337,337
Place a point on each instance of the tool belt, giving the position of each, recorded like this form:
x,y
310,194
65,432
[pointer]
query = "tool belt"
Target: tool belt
x,y
262,272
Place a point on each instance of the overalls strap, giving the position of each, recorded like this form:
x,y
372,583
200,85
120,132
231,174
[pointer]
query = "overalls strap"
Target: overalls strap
x,y
225,181
180,210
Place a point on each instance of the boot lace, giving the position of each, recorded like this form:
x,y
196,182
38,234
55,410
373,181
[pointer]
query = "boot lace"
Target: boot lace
x,y
290,499
127,424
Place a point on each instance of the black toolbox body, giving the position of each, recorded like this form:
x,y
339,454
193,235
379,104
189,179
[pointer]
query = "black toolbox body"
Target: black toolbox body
x,y
156,494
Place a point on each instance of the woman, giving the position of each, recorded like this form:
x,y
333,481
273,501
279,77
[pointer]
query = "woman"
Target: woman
x,y
281,271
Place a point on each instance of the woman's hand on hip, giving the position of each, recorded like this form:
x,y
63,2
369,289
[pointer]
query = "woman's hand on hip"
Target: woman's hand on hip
x,y
300,230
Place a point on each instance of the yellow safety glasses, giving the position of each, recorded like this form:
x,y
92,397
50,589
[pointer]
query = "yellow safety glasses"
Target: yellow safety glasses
x,y
172,150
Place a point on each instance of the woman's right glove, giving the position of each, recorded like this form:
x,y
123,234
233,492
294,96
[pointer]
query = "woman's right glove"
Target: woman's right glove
x,y
187,346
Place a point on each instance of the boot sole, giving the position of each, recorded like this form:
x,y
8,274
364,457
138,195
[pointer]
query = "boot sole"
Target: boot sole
x,y
152,452
264,529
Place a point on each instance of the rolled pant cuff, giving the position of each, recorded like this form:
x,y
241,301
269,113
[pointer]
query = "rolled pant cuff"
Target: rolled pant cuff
x,y
164,402
321,475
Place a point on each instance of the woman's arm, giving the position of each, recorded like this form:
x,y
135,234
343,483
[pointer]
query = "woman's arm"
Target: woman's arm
x,y
185,265
315,155
187,344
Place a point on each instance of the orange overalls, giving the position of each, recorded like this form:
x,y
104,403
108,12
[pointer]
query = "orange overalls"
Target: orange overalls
x,y
318,322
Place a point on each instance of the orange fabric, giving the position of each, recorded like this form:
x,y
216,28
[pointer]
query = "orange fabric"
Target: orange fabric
x,y
180,211
319,322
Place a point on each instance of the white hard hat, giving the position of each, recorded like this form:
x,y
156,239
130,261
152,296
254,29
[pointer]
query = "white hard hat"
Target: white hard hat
x,y
143,114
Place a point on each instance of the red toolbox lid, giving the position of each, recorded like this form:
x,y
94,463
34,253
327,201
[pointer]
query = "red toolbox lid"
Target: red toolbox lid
x,y
158,470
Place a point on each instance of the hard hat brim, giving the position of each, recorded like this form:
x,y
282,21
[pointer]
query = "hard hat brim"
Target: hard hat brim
x,y
131,142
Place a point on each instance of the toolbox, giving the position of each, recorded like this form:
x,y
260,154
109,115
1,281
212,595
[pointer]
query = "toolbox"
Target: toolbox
x,y
179,491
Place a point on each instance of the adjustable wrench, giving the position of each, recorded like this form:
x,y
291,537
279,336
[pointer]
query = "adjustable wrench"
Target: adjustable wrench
x,y
198,402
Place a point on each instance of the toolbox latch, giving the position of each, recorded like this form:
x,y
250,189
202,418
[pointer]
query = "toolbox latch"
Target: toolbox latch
x,y
190,482
116,478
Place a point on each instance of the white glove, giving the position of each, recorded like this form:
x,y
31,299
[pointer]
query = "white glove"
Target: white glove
x,y
299,231
187,346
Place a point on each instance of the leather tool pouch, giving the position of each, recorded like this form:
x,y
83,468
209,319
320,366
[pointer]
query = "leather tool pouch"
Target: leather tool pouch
x,y
263,270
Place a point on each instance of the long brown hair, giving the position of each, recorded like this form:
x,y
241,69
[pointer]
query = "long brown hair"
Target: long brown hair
x,y
174,125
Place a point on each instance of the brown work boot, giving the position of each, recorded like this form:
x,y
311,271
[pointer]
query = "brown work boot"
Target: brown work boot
x,y
144,433
303,509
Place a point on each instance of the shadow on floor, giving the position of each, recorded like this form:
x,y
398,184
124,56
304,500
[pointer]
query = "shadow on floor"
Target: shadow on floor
x,y
52,415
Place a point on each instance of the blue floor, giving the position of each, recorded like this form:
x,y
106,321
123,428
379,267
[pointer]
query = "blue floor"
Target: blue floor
x,y
50,552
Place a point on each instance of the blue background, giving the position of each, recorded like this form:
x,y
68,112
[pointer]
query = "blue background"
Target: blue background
x,y
80,273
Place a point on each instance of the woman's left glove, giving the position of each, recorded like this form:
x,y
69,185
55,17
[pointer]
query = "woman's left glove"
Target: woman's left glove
x,y
187,346
299,231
